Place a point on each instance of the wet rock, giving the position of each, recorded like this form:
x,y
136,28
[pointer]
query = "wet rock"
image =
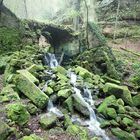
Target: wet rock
x,y
136,100
17,112
80,105
48,120
77,131
5,130
122,135
32,137
64,93
8,94
26,86
119,92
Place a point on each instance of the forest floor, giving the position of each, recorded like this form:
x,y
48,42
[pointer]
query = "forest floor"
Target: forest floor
x,y
1,82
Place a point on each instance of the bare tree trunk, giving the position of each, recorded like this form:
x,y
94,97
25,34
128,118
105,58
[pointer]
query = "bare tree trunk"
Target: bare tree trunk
x,y
116,22
86,24
26,11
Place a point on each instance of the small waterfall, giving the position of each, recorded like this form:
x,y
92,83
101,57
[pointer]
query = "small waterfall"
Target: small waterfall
x,y
51,60
92,123
54,110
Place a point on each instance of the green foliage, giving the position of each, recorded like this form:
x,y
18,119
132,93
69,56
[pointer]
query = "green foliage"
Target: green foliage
x,y
10,38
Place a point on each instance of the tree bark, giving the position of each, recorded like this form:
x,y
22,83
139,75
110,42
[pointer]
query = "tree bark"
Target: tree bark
x,y
86,24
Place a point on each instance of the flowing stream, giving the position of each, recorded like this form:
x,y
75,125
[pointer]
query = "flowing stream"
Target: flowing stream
x,y
86,99
92,123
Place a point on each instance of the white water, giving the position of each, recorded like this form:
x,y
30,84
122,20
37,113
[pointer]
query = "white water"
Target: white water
x,y
54,110
51,60
93,124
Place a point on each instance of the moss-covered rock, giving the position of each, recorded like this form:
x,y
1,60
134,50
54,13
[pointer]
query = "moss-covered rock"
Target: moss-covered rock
x,y
122,135
104,105
65,93
26,86
32,109
5,130
80,105
69,103
136,100
49,91
121,109
127,122
17,112
137,133
28,75
83,72
48,120
78,131
111,112
32,137
119,92
8,94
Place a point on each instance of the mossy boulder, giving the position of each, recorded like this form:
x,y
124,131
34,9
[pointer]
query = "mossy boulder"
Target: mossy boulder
x,y
68,103
5,130
136,100
28,75
127,122
32,109
28,88
49,91
122,135
8,94
137,133
80,105
111,112
48,120
32,137
18,113
119,91
78,131
104,105
64,93
121,109
83,72
60,69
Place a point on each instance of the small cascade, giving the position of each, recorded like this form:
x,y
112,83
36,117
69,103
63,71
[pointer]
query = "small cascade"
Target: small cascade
x,y
93,124
54,110
51,60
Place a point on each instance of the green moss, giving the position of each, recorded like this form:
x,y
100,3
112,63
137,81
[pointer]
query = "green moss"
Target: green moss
x,y
31,137
78,131
17,112
26,86
111,112
122,135
10,38
48,120
8,94
5,130
119,91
